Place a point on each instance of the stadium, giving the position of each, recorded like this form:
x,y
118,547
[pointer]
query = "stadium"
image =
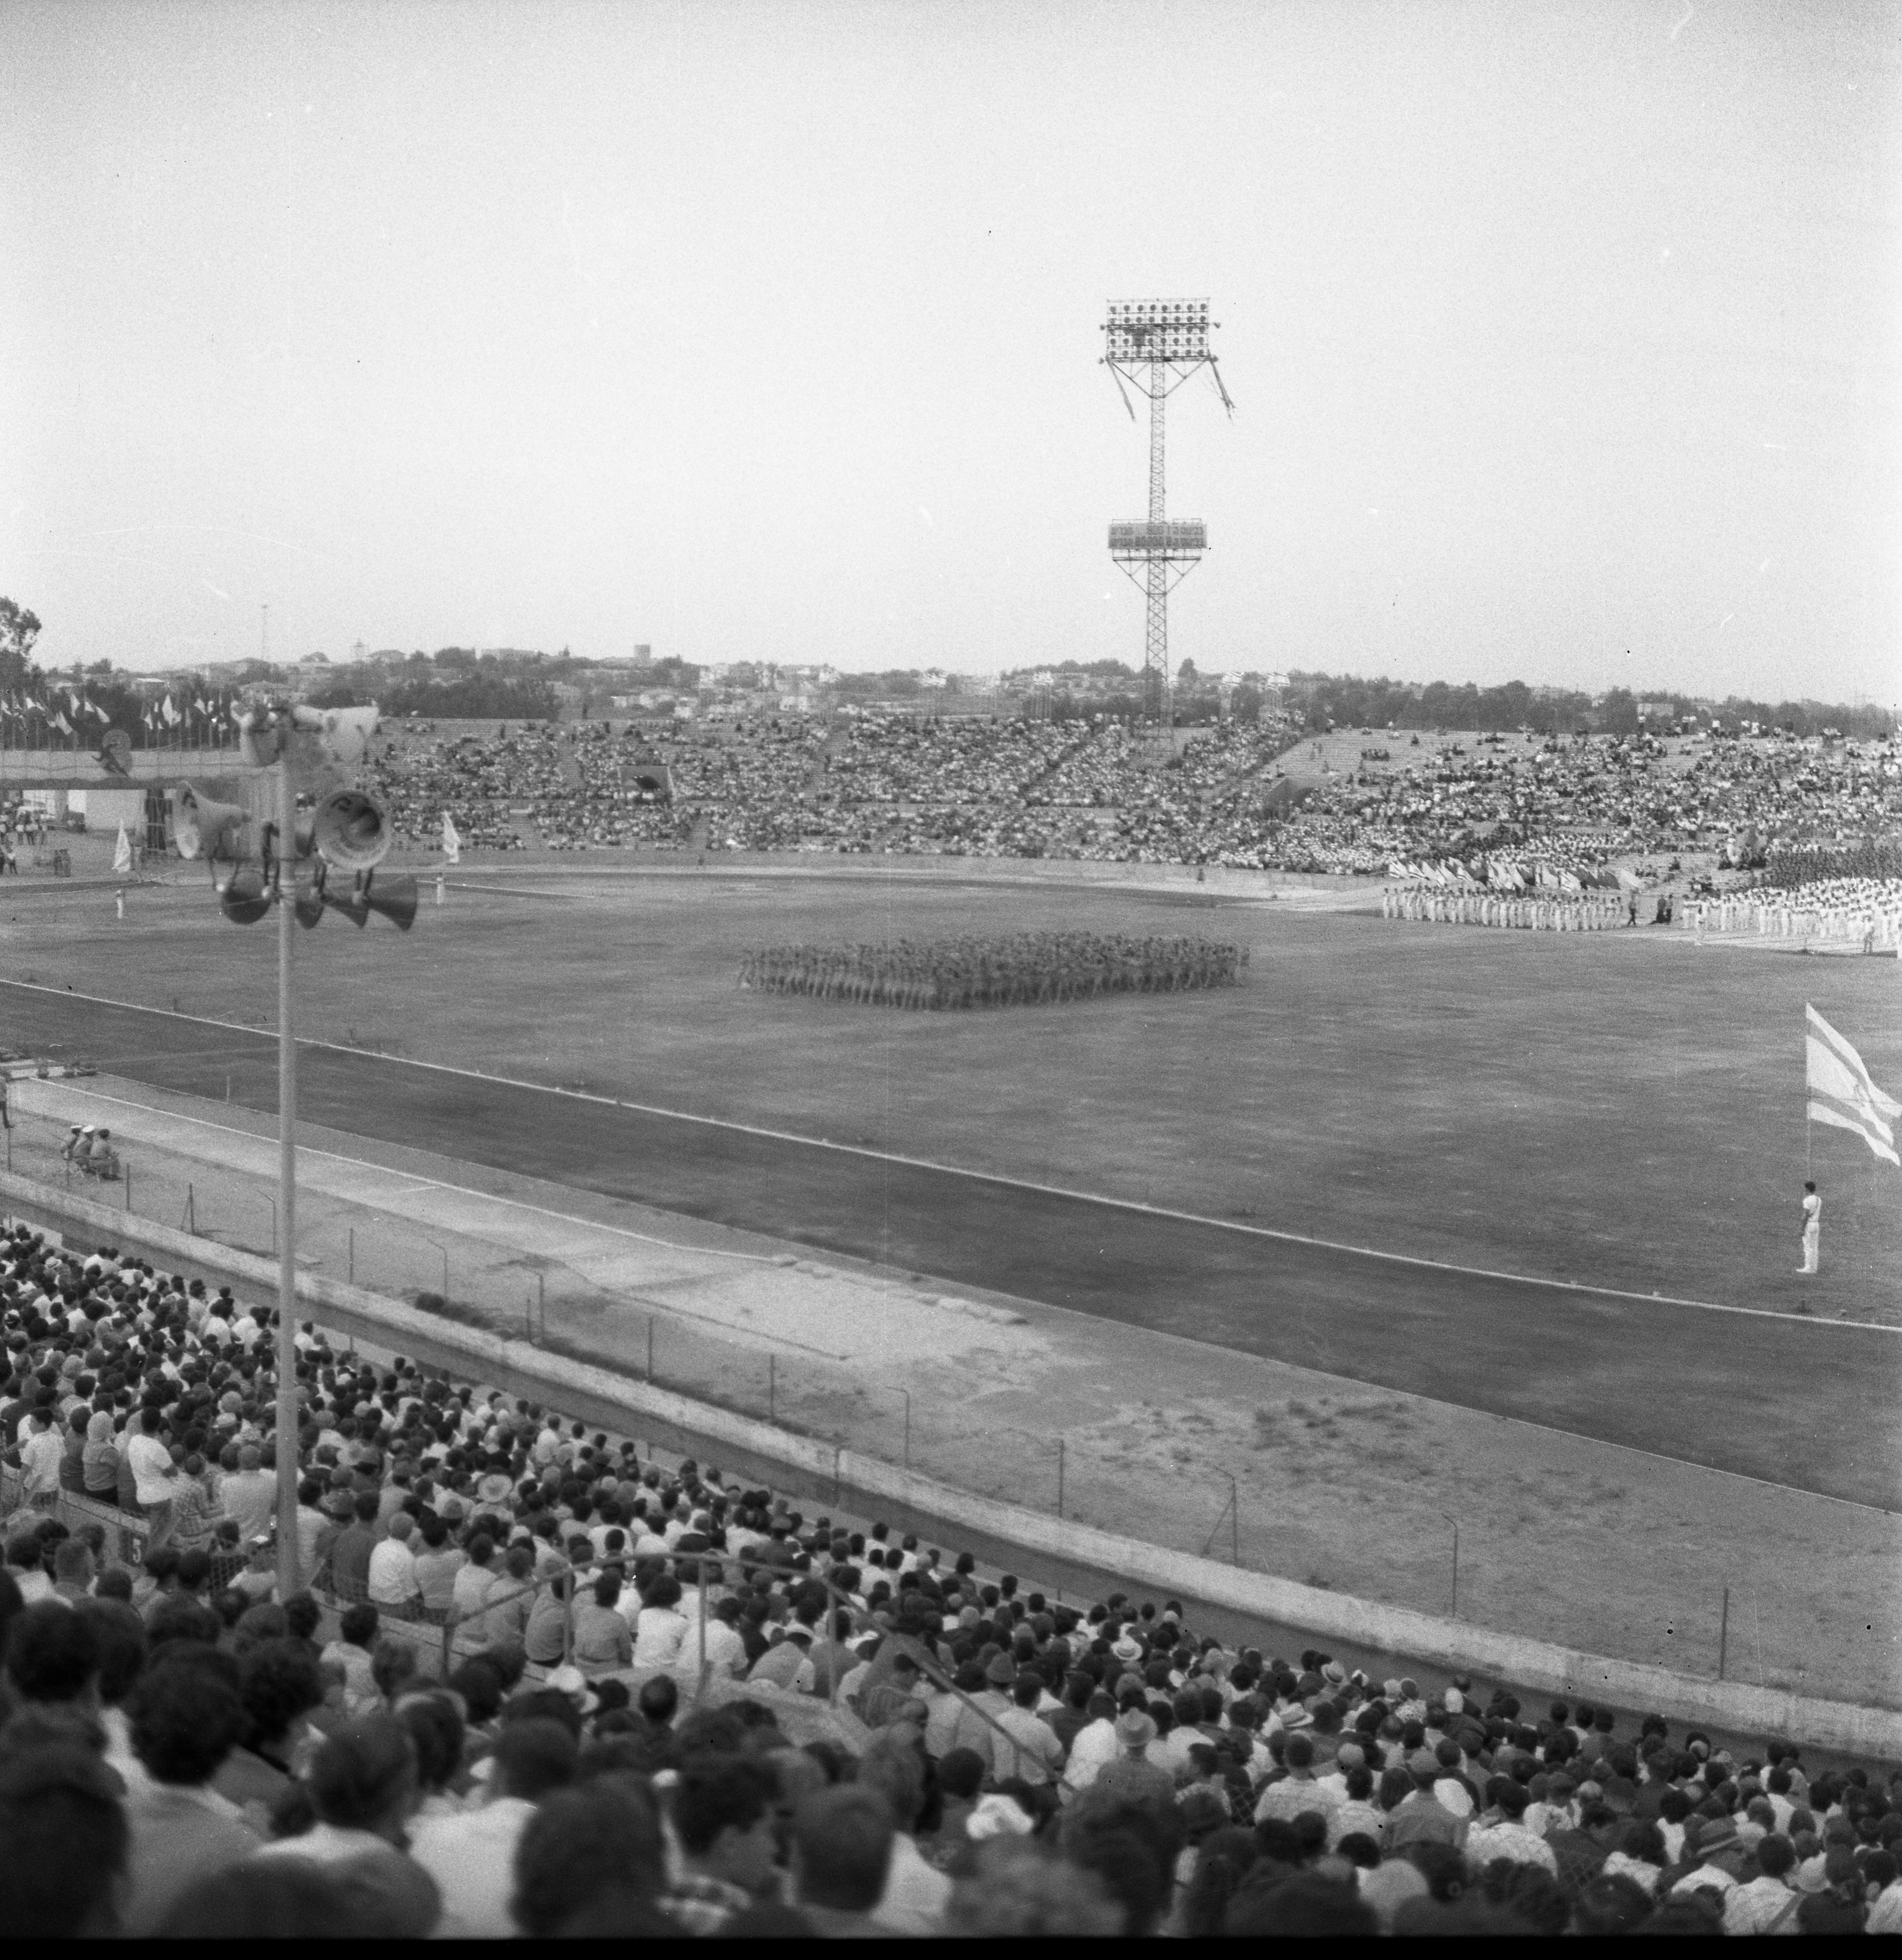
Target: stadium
x,y
792,1293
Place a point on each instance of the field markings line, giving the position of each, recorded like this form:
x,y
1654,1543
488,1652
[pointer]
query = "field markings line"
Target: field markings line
x,y
1127,1204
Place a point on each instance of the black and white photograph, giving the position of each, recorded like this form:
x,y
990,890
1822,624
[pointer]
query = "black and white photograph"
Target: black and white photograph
x,y
950,968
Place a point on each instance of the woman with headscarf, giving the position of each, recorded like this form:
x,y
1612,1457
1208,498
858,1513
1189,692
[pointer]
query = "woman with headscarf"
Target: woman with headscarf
x,y
99,1460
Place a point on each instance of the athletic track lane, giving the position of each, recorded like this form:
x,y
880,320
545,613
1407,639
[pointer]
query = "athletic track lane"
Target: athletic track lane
x,y
1809,1406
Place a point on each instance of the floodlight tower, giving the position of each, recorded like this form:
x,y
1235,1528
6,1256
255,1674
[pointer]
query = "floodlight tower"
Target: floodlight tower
x,y
1156,346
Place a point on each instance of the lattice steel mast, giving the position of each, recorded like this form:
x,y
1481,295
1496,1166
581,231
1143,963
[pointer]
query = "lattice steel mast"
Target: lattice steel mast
x,y
1156,346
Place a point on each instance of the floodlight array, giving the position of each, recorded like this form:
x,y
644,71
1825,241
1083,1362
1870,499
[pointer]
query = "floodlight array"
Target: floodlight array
x,y
1157,330
1171,539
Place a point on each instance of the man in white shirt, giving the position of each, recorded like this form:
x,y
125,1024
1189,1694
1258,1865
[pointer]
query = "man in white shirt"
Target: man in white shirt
x,y
1094,1746
1033,1751
1500,1833
39,1454
249,1494
393,1567
726,1651
1765,1903
154,1477
1812,1231
471,1853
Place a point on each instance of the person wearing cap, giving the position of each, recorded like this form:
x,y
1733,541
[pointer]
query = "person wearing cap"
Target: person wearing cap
x,y
1764,1904
1720,1853
1131,1776
1838,1904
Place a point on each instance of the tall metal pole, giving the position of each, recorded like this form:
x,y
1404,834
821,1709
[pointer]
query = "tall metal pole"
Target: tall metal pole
x,y
1155,638
289,1578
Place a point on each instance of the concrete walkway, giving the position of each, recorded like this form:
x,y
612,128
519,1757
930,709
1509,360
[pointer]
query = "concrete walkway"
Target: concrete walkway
x,y
1286,1469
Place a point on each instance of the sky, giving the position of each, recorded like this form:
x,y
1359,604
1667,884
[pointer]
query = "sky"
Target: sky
x,y
1564,339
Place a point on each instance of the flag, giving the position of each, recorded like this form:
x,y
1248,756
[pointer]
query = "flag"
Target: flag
x,y
452,844
58,720
1568,882
123,852
1841,1093
168,713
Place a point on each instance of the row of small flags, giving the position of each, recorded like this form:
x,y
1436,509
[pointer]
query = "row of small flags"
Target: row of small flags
x,y
71,716
1503,875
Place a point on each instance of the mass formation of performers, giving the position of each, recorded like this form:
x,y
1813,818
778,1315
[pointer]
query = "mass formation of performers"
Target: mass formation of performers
x,y
1020,968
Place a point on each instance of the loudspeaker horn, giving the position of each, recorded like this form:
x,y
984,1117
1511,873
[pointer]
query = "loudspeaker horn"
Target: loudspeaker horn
x,y
204,828
244,900
309,901
396,897
351,831
349,903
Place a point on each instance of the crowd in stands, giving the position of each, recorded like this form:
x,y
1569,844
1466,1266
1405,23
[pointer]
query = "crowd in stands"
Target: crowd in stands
x,y
1019,968
1100,790
610,1745
1572,803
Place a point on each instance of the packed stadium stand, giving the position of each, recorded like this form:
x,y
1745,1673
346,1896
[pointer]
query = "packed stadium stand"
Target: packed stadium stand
x,y
530,1684
1234,794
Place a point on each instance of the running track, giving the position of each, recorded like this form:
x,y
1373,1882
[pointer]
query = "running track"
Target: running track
x,y
1807,1403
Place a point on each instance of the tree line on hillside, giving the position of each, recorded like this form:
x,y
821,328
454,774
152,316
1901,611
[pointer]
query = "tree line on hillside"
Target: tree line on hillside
x,y
1346,700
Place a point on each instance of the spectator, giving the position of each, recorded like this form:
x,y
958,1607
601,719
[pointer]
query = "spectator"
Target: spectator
x,y
390,1577
588,1853
186,1717
913,1902
52,1655
280,1688
723,1815
249,1495
351,1552
603,1639
1020,1890
67,1846
471,1854
841,1855
362,1788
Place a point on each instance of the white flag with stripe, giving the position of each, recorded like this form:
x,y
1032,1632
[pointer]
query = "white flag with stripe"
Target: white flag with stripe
x,y
1841,1093
452,842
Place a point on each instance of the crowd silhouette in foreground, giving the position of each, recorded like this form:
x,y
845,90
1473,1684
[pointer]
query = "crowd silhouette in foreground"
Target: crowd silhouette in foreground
x,y
531,1686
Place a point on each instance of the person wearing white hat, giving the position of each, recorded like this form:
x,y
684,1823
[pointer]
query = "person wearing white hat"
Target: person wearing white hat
x,y
1132,1775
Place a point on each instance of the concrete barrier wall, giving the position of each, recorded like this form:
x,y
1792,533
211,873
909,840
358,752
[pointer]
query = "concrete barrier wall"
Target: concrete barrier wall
x,y
1384,1638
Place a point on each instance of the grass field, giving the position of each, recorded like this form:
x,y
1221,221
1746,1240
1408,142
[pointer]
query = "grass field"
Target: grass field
x,y
1623,1109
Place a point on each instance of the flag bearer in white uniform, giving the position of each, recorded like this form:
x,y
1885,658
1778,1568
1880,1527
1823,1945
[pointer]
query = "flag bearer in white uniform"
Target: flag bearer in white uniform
x,y
1812,1230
